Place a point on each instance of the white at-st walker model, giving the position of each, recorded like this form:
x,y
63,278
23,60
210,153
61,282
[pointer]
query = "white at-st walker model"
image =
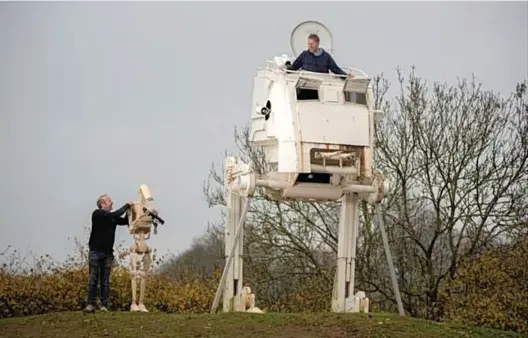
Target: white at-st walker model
x,y
142,217
317,134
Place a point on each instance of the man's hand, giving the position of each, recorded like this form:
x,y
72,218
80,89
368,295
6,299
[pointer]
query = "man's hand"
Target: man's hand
x,y
350,74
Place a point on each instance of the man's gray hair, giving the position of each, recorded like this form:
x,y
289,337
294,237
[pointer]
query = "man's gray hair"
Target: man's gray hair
x,y
100,200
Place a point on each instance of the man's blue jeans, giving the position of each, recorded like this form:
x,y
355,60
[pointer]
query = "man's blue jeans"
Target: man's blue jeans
x,y
100,267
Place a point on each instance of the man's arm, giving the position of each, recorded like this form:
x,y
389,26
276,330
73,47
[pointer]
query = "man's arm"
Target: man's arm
x,y
111,214
298,62
116,215
119,212
334,67
121,220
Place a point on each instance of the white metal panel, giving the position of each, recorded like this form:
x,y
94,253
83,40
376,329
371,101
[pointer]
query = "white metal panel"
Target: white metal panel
x,y
359,85
270,126
331,94
346,124
258,131
271,153
309,83
282,109
258,123
287,157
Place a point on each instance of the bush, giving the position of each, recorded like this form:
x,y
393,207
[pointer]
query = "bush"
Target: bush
x,y
492,289
47,286
313,294
489,290
50,287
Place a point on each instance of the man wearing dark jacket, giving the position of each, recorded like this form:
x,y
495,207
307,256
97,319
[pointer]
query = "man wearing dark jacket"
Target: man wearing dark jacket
x,y
101,244
316,59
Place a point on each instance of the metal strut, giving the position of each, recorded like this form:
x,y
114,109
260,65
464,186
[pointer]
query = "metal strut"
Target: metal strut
x,y
227,266
395,287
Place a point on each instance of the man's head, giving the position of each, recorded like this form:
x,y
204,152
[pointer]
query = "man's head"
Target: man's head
x,y
105,202
313,42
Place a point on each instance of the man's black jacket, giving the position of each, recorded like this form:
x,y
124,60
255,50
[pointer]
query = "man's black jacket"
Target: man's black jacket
x,y
104,225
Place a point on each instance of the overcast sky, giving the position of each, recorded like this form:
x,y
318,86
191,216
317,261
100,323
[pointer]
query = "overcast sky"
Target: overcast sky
x,y
101,97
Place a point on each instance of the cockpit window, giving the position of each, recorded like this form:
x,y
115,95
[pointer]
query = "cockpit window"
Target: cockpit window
x,y
355,97
307,94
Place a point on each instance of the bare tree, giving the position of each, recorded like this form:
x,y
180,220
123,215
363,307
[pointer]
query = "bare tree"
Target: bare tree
x,y
458,159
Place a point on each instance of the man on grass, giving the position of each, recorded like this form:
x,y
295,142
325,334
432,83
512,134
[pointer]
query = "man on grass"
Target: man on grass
x,y
101,244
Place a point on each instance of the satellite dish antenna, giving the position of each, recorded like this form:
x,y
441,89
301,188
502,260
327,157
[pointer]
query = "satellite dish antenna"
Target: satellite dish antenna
x,y
300,34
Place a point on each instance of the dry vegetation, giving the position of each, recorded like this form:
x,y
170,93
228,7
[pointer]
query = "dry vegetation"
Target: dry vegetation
x,y
457,160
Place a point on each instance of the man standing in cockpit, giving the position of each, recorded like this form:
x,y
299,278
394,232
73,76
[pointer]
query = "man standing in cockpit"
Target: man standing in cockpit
x,y
316,59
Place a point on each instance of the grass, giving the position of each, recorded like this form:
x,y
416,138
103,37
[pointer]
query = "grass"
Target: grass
x,y
231,325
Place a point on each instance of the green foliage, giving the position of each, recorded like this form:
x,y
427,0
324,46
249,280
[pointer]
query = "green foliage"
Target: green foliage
x,y
492,289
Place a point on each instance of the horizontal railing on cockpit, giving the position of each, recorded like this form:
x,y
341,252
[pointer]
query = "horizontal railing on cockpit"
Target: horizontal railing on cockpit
x,y
273,66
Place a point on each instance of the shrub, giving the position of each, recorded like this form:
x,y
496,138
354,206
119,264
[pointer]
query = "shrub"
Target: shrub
x,y
50,287
491,289
47,286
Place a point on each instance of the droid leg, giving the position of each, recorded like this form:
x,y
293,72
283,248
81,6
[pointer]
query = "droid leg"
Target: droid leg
x,y
344,299
233,284
133,271
143,279
234,238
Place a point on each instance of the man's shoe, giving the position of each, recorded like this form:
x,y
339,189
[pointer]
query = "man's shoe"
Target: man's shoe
x,y
103,309
90,308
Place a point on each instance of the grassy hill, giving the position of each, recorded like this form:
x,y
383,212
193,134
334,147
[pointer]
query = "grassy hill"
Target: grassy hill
x,y
158,325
